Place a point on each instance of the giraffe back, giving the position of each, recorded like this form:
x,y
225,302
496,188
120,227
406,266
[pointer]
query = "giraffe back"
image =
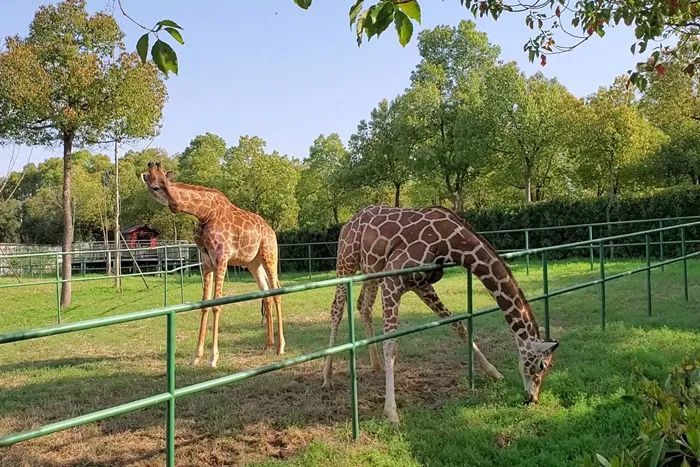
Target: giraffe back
x,y
379,235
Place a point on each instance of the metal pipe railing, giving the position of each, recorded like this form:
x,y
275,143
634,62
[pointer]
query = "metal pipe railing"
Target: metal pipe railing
x,y
172,393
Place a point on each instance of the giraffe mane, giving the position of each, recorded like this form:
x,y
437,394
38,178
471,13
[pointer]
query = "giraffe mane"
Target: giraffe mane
x,y
492,250
200,188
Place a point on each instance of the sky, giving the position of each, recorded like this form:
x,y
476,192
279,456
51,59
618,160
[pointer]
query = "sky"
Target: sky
x,y
270,69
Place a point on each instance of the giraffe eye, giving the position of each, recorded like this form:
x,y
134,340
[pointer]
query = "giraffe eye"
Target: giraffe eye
x,y
543,366
155,188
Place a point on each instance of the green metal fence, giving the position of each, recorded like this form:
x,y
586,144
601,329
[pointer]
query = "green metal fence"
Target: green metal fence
x,y
171,393
163,253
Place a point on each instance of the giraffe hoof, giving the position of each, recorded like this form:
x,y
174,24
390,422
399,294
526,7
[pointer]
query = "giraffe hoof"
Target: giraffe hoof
x,y
196,361
213,361
327,385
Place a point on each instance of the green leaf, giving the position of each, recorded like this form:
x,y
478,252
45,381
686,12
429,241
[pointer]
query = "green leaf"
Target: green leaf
x,y
404,27
142,47
656,447
360,26
694,441
176,34
164,57
167,22
355,10
305,4
411,9
603,461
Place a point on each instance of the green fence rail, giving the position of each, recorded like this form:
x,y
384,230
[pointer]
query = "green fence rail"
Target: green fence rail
x,y
172,393
163,253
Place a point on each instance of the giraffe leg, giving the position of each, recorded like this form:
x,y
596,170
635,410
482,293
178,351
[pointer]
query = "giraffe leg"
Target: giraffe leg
x,y
273,281
337,310
219,276
260,277
391,297
206,295
368,295
429,296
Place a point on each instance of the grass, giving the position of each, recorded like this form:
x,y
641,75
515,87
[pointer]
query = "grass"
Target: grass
x,y
285,417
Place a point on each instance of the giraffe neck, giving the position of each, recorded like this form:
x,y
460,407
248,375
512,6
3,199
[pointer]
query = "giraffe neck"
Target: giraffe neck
x,y
484,263
200,202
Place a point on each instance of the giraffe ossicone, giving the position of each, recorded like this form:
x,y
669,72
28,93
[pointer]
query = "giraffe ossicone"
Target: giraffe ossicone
x,y
381,238
225,236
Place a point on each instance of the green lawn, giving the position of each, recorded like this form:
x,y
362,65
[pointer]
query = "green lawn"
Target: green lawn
x,y
287,417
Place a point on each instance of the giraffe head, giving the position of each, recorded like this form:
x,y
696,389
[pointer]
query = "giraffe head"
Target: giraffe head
x,y
535,363
158,183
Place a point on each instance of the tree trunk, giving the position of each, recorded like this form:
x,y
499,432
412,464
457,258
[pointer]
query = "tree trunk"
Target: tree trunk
x,y
397,194
528,183
335,215
117,227
67,271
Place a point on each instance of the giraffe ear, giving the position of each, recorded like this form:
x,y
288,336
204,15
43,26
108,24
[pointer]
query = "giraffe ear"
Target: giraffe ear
x,y
169,175
144,177
546,347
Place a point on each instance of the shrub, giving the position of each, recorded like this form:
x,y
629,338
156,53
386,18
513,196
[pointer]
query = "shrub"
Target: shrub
x,y
679,201
670,431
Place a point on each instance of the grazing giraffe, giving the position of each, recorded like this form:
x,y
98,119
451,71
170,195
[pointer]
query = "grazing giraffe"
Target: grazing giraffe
x,y
380,238
226,236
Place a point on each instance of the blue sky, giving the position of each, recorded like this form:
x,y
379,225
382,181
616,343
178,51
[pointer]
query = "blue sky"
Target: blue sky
x,y
268,68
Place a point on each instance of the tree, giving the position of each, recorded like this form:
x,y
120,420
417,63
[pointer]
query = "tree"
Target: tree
x,y
137,98
201,162
58,86
672,103
615,141
10,220
322,189
535,131
262,183
382,150
447,106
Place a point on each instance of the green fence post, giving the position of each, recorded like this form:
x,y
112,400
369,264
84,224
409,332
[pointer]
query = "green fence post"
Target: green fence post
x,y
648,268
182,275
309,256
470,329
545,288
685,264
165,278
590,237
527,257
353,365
661,244
170,404
601,255
58,291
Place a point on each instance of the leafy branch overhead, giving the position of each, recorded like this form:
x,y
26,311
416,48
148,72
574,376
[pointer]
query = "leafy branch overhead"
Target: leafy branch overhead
x,y
561,25
162,53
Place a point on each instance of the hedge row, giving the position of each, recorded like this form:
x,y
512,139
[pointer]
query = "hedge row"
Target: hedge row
x,y
669,203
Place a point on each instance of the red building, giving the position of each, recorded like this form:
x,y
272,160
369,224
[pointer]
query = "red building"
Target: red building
x,y
140,235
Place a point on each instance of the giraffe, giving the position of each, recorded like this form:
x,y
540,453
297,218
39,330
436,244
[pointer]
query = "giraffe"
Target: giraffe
x,y
381,238
226,235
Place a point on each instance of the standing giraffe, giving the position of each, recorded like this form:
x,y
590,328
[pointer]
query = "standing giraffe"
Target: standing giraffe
x,y
226,235
380,238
